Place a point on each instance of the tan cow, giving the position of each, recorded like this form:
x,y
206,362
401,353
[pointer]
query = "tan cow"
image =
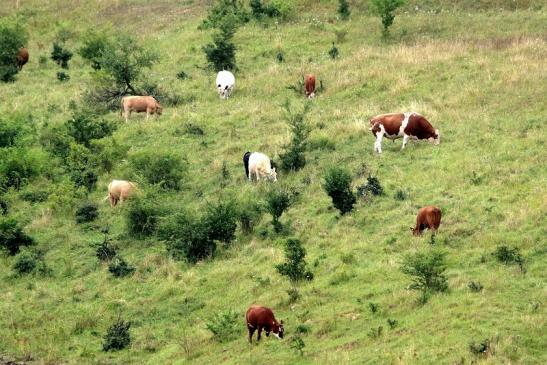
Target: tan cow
x,y
120,190
140,104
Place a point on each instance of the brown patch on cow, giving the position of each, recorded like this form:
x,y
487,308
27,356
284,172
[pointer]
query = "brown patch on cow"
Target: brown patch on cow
x,y
22,58
309,85
419,127
391,122
429,217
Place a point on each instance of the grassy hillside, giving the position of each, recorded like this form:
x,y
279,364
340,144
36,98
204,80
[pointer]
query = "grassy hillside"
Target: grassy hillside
x,y
476,70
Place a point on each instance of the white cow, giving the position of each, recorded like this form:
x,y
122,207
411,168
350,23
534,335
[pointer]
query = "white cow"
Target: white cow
x,y
225,83
259,165
120,190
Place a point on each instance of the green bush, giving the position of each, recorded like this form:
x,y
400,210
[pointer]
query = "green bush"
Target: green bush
x,y
333,52
95,43
4,206
223,10
165,169
475,286
188,239
274,9
12,129
480,348
118,336
400,195
338,187
56,140
427,273
278,200
294,266
221,54
293,158
63,76
224,326
28,261
87,212
509,255
18,166
385,9
84,127
343,9
220,220
372,187
120,268
297,344
142,217
249,214
13,37
60,55
109,151
80,165
34,195
106,251
12,236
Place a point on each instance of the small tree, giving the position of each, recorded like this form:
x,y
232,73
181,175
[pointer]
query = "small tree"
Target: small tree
x,y
120,268
220,220
94,45
294,266
188,239
226,9
427,272
385,9
224,326
333,52
343,9
165,169
338,187
293,158
118,336
221,54
12,236
13,37
278,200
60,54
84,127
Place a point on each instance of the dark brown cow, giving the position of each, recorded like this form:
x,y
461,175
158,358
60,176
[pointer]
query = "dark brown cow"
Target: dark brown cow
x,y
428,217
22,58
140,104
405,125
259,318
309,84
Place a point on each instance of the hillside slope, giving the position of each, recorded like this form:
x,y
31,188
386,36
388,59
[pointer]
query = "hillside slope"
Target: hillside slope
x,y
476,70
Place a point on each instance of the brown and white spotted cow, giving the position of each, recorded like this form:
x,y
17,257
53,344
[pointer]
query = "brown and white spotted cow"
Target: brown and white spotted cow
x,y
405,125
262,318
428,217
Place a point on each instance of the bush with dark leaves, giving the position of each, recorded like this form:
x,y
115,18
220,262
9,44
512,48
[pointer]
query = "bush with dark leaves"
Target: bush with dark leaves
x,y
220,220
294,267
120,268
338,187
87,212
118,336
12,236
142,217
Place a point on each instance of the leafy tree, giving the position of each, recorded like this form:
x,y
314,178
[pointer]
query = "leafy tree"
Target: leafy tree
x,y
220,220
294,266
278,200
118,336
386,9
221,54
338,187
188,239
84,127
95,44
427,272
13,37
343,9
293,157
60,54
12,236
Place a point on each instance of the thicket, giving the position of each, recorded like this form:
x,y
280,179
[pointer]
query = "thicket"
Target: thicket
x,y
87,212
106,251
293,157
13,37
118,336
12,236
294,267
338,186
188,238
509,255
94,44
224,325
427,273
249,214
81,166
19,165
221,53
385,9
84,126
273,9
165,169
142,217
371,187
12,129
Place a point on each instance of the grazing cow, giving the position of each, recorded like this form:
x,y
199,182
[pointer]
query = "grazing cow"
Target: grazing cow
x,y
309,84
120,190
259,165
22,58
140,104
259,318
406,125
428,217
225,84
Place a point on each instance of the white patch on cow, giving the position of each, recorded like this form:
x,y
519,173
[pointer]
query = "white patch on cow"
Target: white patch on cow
x,y
225,83
379,136
276,335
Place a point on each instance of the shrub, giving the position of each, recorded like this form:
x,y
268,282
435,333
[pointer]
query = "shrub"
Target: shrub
x,y
508,255
63,76
142,217
275,9
192,129
118,336
87,212
297,344
373,307
80,164
475,286
249,214
221,54
95,43
400,195
480,348
165,169
293,158
18,166
56,140
12,236
106,251
28,261
13,36
392,323
333,52
385,10
4,206
372,187
224,325
343,9
85,127
188,239
181,75
34,196
60,54
233,10
427,272
278,200
120,268
109,152
12,129
338,187
220,220
294,295
294,266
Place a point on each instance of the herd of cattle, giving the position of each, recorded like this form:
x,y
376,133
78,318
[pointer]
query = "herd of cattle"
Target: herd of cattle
x,y
409,126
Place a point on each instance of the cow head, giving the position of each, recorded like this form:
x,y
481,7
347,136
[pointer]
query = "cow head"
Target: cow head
x,y
277,329
223,91
159,110
273,175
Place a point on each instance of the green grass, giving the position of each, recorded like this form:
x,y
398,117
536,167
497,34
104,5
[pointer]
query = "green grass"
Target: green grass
x,y
475,71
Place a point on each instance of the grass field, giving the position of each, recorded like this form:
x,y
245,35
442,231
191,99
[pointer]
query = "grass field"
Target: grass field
x,y
476,70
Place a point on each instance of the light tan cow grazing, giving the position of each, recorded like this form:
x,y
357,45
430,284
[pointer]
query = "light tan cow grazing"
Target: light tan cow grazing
x,y
140,104
120,190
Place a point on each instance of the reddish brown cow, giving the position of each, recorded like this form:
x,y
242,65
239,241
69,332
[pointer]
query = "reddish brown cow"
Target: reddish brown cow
x,y
309,84
406,125
140,104
259,318
22,58
428,217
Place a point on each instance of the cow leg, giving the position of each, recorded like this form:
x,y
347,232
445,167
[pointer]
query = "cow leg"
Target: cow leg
x,y
378,143
126,115
251,332
147,113
259,333
406,138
112,200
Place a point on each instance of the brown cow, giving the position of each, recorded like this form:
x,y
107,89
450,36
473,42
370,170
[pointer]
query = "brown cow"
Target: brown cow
x,y
22,58
120,190
406,125
309,84
259,318
428,217
140,104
